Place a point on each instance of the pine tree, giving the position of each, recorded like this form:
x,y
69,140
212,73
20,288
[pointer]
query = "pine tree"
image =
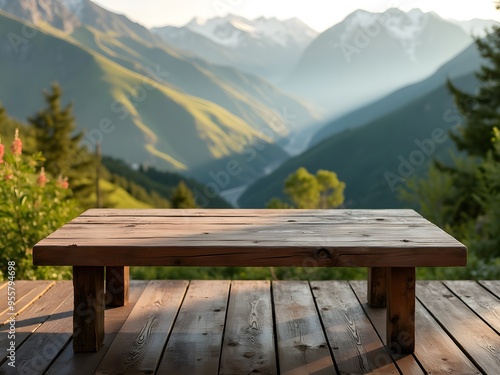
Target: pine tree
x,y
480,110
182,197
57,139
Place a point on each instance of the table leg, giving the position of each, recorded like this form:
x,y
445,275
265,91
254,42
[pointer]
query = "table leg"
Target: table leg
x,y
88,313
377,286
117,286
401,310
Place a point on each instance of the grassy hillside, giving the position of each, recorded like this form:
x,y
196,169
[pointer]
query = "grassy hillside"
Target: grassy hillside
x,y
363,157
136,119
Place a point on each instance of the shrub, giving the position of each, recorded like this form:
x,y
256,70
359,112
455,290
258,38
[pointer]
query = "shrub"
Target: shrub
x,y
31,207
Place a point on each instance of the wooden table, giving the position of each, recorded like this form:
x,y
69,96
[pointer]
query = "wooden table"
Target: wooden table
x,y
102,243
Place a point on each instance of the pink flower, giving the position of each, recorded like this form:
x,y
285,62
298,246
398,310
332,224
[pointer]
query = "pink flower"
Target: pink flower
x,y
9,175
63,182
2,150
17,144
42,178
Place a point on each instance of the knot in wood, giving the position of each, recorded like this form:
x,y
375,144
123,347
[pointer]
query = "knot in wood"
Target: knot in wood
x,y
322,254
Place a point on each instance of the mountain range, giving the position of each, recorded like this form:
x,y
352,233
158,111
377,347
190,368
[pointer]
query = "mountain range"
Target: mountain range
x,y
168,110
228,100
383,144
368,55
265,47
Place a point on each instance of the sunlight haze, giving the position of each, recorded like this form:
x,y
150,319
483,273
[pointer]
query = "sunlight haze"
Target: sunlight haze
x,y
319,14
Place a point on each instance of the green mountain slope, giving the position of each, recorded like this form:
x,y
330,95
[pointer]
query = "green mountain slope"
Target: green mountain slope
x,y
248,97
376,158
136,119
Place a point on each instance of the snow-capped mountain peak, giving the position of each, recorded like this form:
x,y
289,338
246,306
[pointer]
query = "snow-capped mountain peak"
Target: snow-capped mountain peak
x,y
232,31
402,26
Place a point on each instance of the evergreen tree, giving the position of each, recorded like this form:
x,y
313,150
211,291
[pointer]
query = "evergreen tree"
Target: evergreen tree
x,y
464,197
57,139
182,197
481,109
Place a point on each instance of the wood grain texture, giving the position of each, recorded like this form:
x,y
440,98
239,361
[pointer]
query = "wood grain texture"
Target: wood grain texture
x,y
474,336
117,285
89,301
434,349
152,320
302,345
248,346
377,286
492,285
407,362
385,238
194,346
69,363
480,300
37,352
35,314
25,293
355,345
400,335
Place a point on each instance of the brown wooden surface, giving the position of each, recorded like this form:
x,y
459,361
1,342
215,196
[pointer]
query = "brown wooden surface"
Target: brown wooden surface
x,y
407,362
89,301
400,336
36,313
25,292
480,300
492,285
354,342
248,337
366,238
301,342
152,319
194,346
475,337
450,337
37,352
67,363
377,286
117,285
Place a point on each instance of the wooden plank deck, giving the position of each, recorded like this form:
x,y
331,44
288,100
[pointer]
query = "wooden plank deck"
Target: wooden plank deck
x,y
256,327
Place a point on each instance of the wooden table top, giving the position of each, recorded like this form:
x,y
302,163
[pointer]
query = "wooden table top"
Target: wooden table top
x,y
243,237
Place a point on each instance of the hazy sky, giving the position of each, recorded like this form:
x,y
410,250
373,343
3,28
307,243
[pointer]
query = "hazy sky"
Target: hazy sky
x,y
319,14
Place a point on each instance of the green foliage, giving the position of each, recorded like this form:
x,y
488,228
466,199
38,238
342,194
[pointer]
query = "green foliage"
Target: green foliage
x,y
464,198
31,207
54,131
183,197
323,190
481,108
248,273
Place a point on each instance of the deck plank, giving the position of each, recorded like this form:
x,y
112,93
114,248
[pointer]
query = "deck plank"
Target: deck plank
x,y
249,335
484,304
301,342
139,345
41,348
194,346
378,317
26,292
355,345
492,285
475,337
86,363
36,314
